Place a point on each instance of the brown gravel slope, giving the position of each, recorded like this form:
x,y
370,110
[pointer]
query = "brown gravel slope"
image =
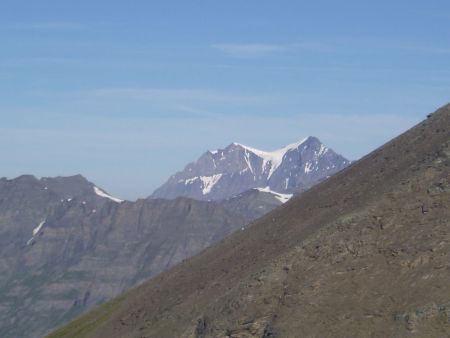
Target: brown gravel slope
x,y
363,254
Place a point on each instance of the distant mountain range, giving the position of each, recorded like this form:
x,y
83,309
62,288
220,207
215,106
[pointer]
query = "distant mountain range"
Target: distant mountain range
x,y
224,173
66,245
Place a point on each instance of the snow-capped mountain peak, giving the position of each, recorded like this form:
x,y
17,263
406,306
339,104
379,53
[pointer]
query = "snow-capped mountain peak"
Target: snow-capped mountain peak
x,y
223,173
274,158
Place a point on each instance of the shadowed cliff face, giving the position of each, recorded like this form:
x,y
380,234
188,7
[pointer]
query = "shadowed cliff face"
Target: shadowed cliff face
x,y
27,262
67,246
365,253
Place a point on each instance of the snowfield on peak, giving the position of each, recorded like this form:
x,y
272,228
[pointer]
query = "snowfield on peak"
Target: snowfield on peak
x,y
275,158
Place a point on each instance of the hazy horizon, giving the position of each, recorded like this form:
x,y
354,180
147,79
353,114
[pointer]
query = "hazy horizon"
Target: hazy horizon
x,y
128,94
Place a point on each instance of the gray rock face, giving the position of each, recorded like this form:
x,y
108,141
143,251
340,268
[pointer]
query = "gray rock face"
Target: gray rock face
x,y
25,203
66,246
224,173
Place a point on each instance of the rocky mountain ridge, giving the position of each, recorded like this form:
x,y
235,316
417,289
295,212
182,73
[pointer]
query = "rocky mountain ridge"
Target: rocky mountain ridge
x,y
66,245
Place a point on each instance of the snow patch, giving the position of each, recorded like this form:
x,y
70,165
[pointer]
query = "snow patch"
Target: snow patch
x,y
209,182
283,198
308,167
190,180
247,160
322,150
36,231
101,193
39,227
274,158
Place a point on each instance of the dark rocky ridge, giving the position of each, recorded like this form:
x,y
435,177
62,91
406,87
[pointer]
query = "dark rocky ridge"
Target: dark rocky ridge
x,y
90,248
237,168
364,254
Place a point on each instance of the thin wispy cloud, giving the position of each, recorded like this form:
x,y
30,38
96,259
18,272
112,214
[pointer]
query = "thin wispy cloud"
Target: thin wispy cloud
x,y
176,95
432,50
351,45
45,60
50,25
250,50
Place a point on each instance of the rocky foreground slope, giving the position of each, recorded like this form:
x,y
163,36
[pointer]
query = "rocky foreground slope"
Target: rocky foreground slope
x,y
364,254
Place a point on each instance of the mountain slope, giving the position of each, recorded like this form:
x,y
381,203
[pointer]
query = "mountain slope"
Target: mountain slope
x,y
365,253
224,173
67,246
25,203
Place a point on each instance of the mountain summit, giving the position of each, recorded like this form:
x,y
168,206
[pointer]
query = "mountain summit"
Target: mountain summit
x,y
224,173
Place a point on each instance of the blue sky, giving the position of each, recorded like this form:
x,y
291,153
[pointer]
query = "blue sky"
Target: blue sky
x,y
127,92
